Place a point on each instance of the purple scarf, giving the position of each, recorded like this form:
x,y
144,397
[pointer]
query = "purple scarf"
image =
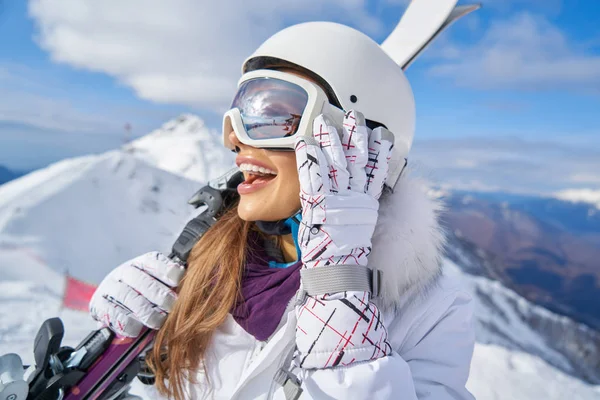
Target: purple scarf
x,y
266,293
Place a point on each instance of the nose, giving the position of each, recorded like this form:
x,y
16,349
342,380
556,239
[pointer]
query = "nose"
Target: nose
x,y
235,142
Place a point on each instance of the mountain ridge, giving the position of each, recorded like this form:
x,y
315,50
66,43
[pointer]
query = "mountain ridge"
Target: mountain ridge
x,y
545,249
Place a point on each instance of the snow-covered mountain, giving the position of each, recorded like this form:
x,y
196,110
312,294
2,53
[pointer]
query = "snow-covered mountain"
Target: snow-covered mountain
x,y
498,373
84,215
506,319
184,146
546,249
580,196
89,214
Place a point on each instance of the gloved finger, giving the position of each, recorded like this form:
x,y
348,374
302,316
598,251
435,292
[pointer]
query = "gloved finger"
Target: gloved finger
x,y
160,266
117,318
312,167
149,287
355,141
330,143
141,309
380,149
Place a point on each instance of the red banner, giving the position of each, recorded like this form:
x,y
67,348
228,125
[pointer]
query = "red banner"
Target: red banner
x,y
77,294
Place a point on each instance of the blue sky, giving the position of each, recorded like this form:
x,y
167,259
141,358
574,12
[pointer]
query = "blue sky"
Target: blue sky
x,y
507,99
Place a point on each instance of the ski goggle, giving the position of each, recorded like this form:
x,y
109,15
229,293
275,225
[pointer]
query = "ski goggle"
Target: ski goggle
x,y
271,108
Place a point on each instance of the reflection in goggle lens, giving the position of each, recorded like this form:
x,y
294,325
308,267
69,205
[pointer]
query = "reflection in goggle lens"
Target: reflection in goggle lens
x,y
270,108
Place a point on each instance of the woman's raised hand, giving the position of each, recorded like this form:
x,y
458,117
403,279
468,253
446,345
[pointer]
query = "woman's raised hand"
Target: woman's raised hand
x,y
341,179
137,293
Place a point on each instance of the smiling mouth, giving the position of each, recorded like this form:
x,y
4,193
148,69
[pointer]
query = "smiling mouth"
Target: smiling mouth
x,y
255,174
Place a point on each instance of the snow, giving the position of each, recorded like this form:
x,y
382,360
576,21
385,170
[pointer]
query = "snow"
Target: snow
x,y
498,320
88,214
498,373
511,359
580,196
185,146
502,317
30,304
25,306
107,208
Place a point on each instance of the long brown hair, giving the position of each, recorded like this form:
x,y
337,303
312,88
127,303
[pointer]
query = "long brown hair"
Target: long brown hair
x,y
207,293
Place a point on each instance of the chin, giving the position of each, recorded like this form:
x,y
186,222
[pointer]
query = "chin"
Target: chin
x,y
260,210
253,211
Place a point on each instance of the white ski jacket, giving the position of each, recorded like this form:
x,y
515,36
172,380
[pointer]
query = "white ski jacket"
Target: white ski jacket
x,y
427,314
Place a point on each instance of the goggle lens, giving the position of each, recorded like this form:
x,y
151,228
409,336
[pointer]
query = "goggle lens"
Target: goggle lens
x,y
270,108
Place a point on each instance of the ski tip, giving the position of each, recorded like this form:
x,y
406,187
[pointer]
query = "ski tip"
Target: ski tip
x,y
421,23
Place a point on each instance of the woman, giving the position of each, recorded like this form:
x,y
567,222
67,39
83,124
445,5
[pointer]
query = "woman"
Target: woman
x,y
280,299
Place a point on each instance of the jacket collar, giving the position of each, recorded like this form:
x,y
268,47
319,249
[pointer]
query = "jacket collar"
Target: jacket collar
x,y
408,242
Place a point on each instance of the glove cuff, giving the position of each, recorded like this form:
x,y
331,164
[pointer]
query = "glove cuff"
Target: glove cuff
x,y
340,278
339,330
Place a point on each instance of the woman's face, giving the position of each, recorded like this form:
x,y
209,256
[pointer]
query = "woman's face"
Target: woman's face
x,y
270,197
267,197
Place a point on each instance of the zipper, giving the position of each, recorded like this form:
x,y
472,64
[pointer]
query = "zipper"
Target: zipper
x,y
260,345
280,365
284,356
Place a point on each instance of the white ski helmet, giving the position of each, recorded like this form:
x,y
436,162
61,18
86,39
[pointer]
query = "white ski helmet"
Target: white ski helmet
x,y
355,72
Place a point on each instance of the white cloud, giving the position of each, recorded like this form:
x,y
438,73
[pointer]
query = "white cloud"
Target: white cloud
x,y
471,185
35,98
179,51
29,98
523,52
510,163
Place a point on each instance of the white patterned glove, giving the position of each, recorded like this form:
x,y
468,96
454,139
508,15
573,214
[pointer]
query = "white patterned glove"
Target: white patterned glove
x,y
341,180
137,293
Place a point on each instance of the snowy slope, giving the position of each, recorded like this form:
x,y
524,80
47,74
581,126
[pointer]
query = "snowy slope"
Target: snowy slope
x,y
88,214
25,305
185,146
498,373
505,318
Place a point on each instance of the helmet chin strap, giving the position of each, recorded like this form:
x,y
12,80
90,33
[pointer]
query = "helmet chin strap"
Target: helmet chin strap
x,y
280,227
288,226
284,226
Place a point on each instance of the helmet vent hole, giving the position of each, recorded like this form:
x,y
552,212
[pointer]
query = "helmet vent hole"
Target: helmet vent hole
x,y
353,98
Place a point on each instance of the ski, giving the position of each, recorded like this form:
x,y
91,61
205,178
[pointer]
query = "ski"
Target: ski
x,y
421,23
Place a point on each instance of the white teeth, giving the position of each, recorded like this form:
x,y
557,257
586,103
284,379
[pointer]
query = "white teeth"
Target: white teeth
x,y
247,167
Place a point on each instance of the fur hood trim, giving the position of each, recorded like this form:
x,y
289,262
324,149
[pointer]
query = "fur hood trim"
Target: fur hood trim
x,y
408,242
